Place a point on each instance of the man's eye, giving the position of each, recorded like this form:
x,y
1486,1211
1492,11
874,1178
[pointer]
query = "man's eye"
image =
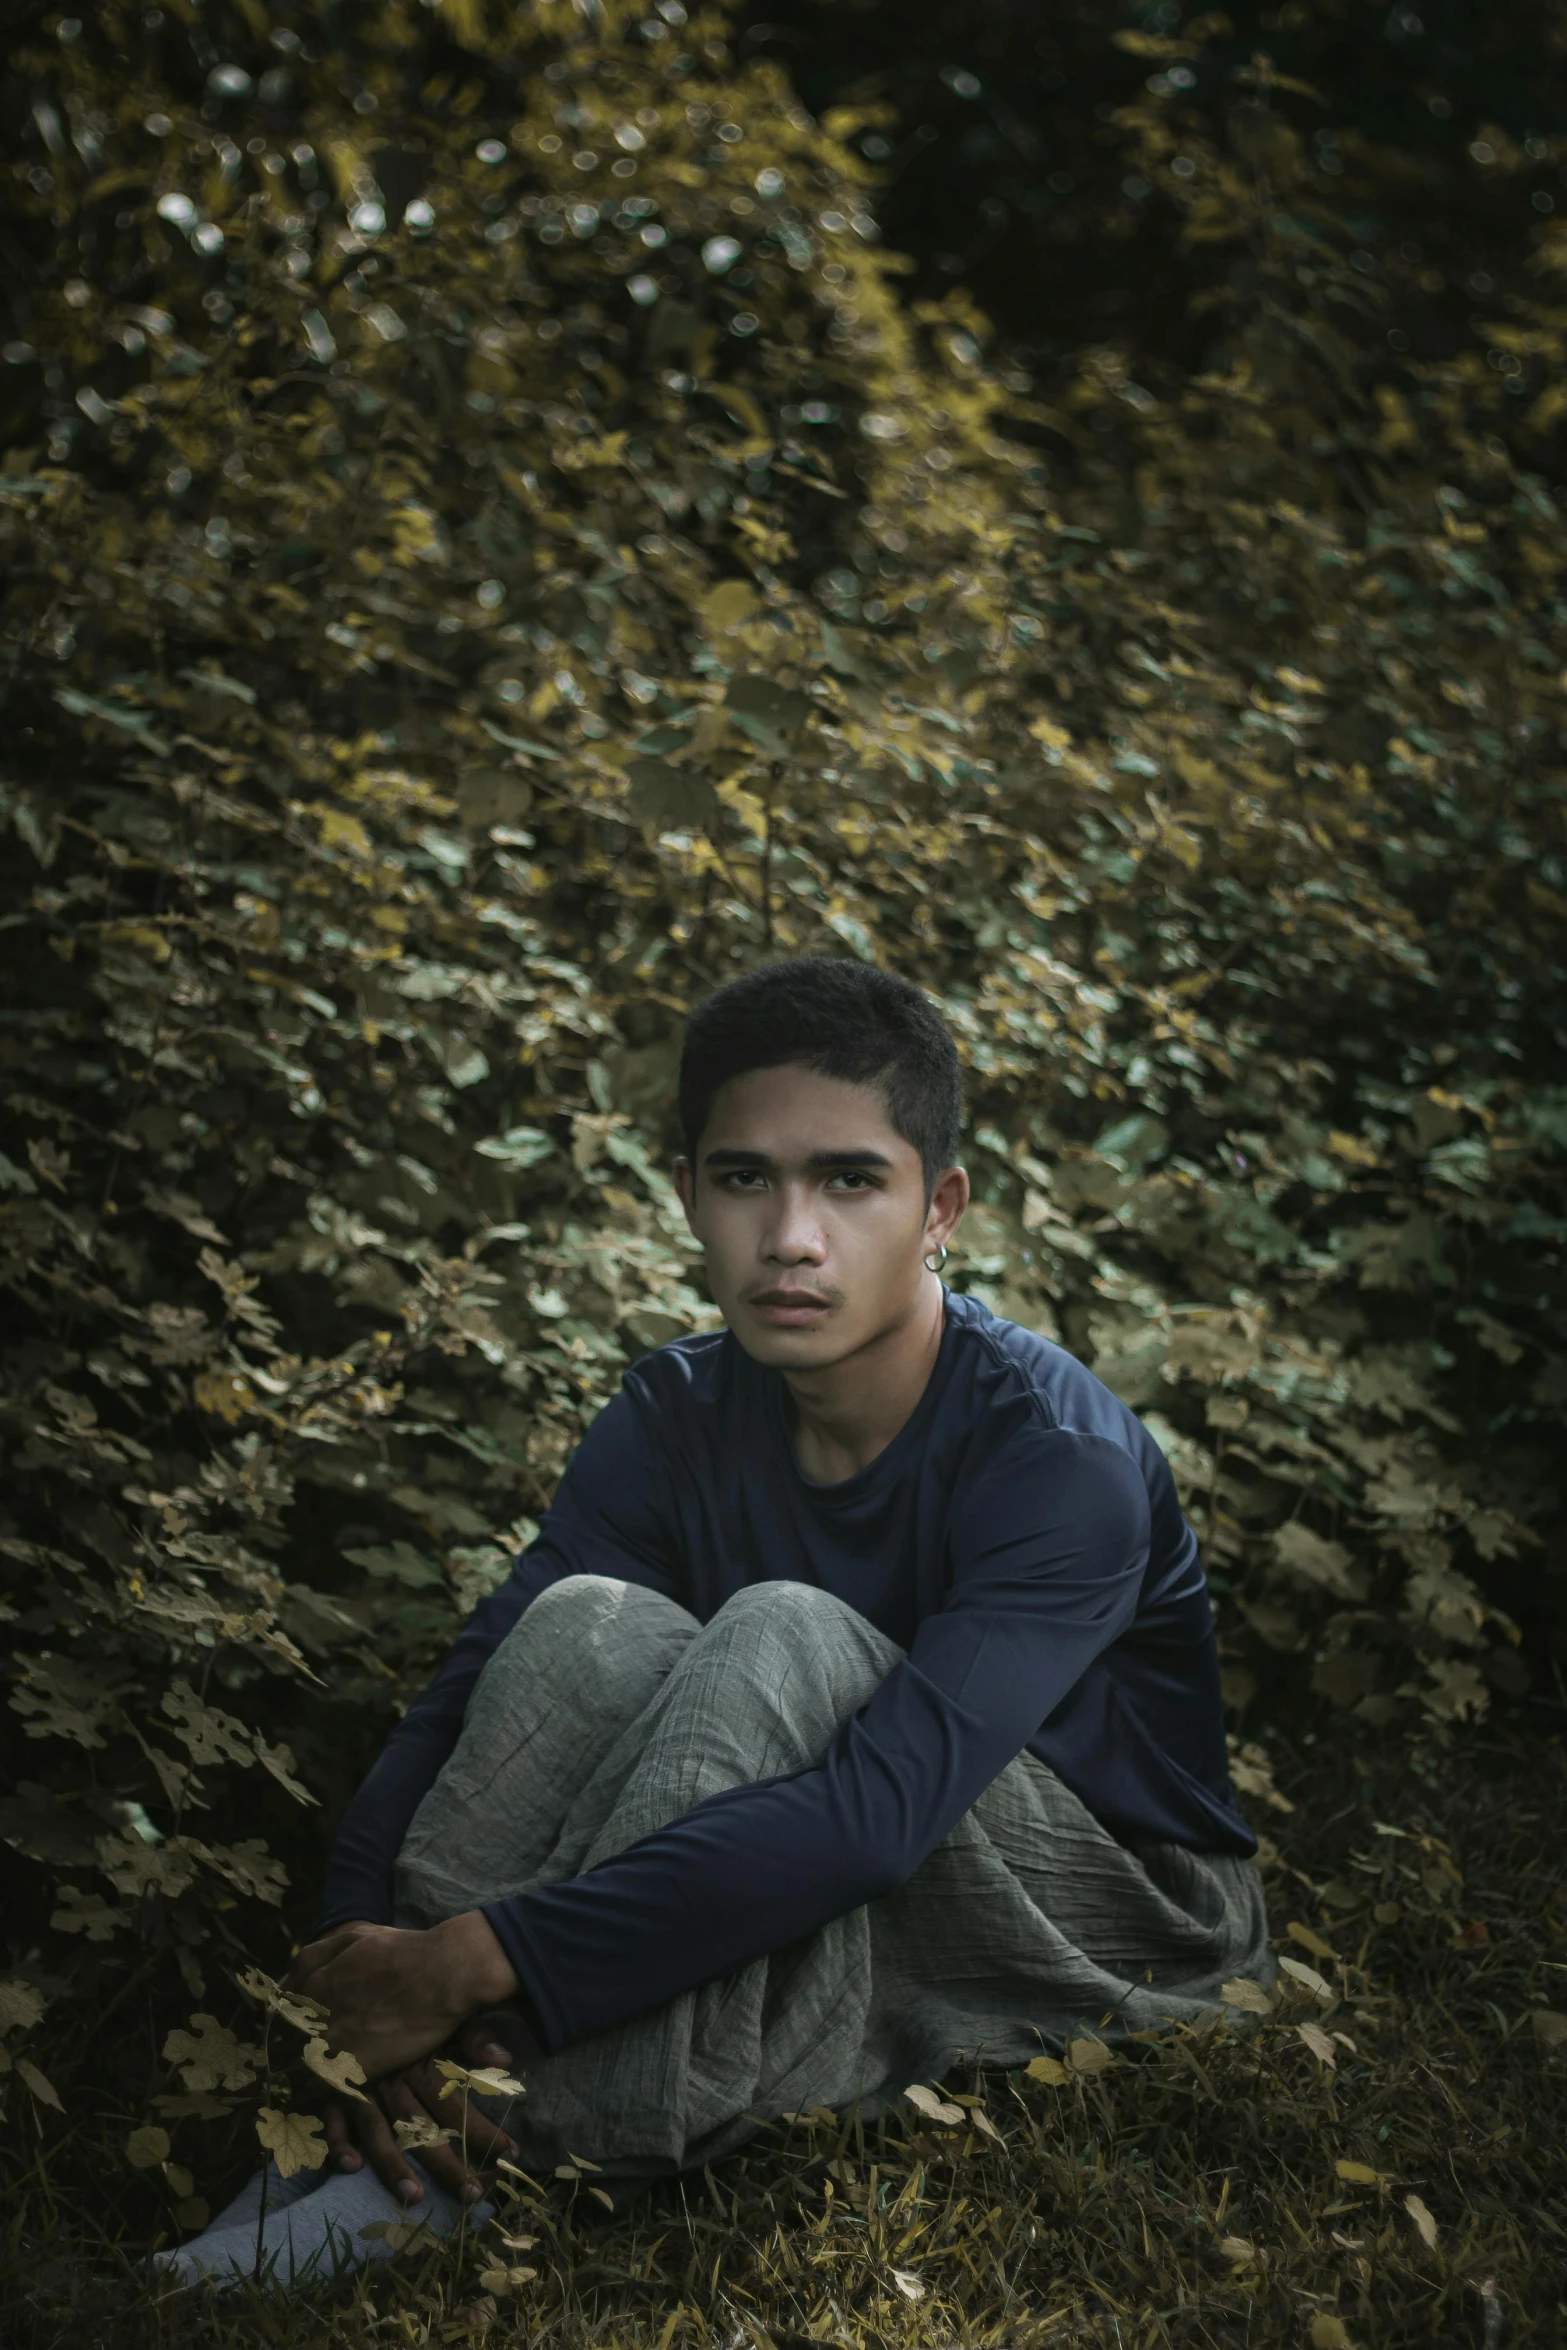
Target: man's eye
x,y
853,1175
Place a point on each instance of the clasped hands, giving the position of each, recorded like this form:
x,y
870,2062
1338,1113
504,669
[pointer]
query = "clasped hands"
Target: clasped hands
x,y
395,1997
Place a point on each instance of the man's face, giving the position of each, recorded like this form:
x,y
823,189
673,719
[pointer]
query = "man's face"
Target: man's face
x,y
811,1210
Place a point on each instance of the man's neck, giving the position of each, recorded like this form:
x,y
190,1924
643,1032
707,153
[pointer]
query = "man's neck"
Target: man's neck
x,y
842,1417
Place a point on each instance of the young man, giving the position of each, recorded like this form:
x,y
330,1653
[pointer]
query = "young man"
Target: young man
x,y
856,1706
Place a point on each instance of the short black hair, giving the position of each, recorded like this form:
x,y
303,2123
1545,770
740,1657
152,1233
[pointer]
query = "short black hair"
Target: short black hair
x,y
843,1019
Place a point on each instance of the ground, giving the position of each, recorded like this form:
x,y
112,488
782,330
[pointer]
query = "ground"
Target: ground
x,y
1381,2162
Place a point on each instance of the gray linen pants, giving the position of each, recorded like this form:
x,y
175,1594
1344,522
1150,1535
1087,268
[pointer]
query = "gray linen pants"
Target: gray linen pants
x,y
609,1711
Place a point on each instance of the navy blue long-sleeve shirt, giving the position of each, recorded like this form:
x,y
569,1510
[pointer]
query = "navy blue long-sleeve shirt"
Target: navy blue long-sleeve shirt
x,y
1021,1539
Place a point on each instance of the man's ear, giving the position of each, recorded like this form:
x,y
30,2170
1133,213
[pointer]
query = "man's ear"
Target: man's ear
x,y
947,1203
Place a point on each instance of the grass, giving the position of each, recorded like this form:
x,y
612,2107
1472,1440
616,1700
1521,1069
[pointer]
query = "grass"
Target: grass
x,y
1193,2193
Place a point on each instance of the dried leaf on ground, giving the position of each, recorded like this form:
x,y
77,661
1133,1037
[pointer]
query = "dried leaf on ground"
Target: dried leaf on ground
x,y
933,2107
1425,2224
1250,1997
1318,2042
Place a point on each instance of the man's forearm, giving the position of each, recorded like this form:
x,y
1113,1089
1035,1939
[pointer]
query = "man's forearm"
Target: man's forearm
x,y
357,1882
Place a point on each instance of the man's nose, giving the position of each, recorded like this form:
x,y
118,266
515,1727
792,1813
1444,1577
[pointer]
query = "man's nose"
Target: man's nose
x,y
796,1232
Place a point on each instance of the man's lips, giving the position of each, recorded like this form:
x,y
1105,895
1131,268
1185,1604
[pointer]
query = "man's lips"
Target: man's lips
x,y
788,1307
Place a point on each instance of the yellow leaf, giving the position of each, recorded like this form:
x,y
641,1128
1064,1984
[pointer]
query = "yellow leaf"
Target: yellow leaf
x,y
1550,2028
1327,2332
934,2108
293,2140
40,2085
21,2007
421,2132
395,2234
1320,2045
1087,2057
1425,2224
489,2080
496,2279
146,2148
1361,2174
1046,2068
1053,737
341,831
466,18
1239,2249
179,2179
908,2284
223,1394
1308,1978
142,936
1241,1992
341,2071
729,605
1310,1941
295,2007
1350,1147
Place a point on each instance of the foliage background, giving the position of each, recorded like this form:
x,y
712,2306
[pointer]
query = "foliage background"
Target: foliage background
x,y
498,535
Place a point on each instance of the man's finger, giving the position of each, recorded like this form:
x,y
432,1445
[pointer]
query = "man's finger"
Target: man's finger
x,y
341,2151
479,2045
386,2158
315,1955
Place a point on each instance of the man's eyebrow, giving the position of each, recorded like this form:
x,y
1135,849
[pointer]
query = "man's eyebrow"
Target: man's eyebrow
x,y
815,1160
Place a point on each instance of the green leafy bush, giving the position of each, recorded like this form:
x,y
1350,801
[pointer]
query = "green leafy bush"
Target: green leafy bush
x,y
487,554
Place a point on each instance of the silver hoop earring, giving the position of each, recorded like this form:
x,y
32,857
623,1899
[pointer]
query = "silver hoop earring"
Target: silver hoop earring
x,y
941,1257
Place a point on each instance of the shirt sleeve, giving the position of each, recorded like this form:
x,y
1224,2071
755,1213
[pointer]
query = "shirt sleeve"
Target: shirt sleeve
x,y
605,1520
1049,1558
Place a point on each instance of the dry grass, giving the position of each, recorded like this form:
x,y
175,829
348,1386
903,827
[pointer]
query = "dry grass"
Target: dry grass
x,y
1189,2195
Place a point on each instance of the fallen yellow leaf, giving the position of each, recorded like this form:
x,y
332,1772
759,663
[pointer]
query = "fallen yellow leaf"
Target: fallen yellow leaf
x,y
1426,2225
1250,1997
1317,2041
934,2108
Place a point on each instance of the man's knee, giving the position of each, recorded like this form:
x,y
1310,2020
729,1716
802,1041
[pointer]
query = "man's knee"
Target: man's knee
x,y
588,1595
795,1657
601,1620
762,1617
